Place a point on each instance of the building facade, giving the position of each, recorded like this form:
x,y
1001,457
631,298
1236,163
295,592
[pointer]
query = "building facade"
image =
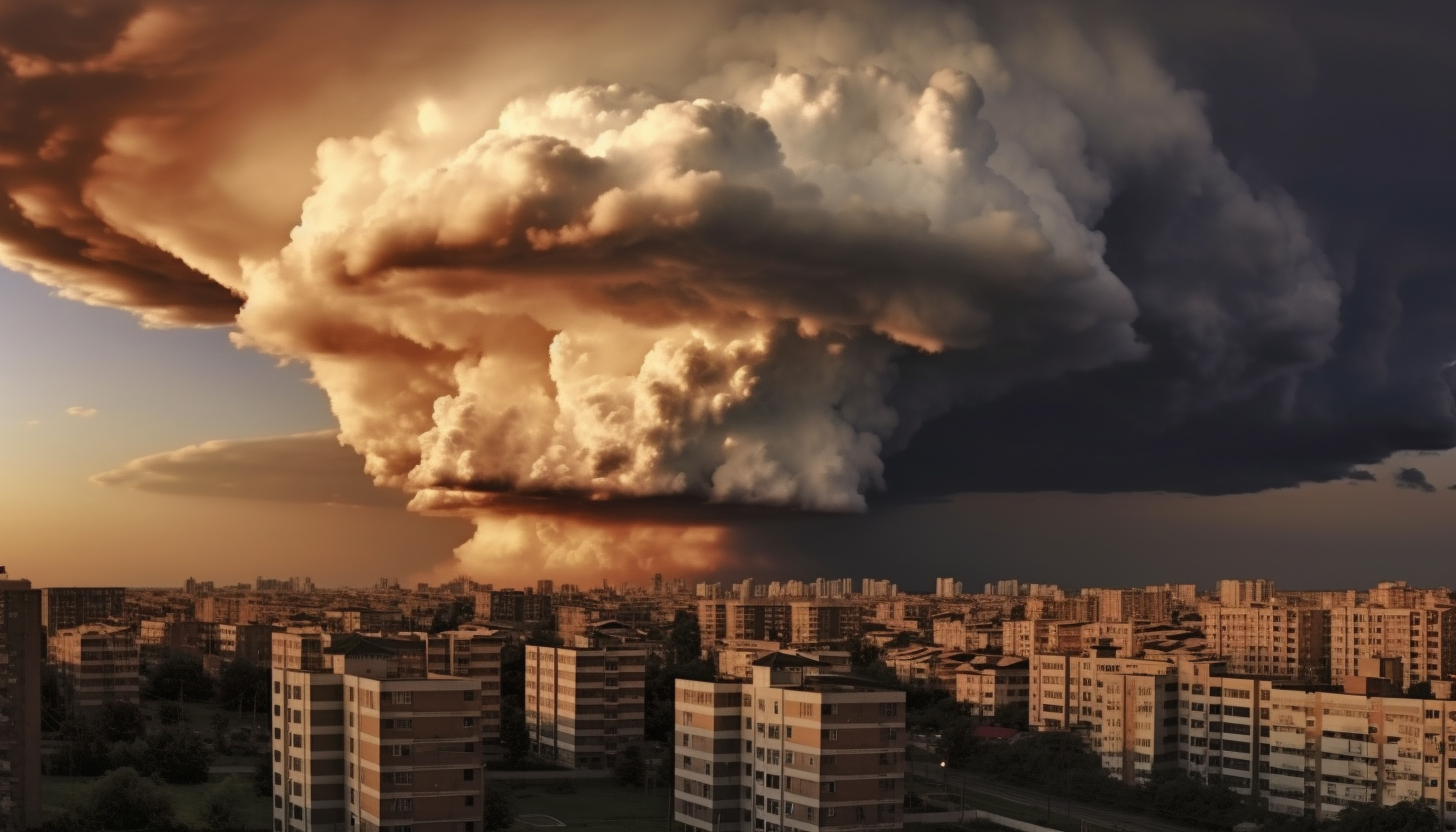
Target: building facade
x,y
585,704
353,749
792,749
71,606
22,640
98,663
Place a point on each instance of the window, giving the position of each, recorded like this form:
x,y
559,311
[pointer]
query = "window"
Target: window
x,y
829,709
277,687
277,711
402,804
788,732
295,763
889,709
298,789
399,751
297,740
470,800
277,733
401,697
827,787
468,774
831,733
298,716
404,778
469,696
469,722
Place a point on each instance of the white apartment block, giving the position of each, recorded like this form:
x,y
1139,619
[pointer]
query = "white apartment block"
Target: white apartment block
x,y
584,704
1127,706
986,684
98,663
947,587
1424,640
1269,640
1235,593
474,654
1301,750
353,749
793,749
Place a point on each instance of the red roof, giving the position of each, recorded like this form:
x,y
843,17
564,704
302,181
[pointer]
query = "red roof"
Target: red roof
x,y
993,732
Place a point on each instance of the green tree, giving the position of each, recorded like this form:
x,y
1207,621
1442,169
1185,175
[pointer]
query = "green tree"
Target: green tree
x,y
500,809
630,768
84,751
263,778
243,685
1406,816
685,639
453,614
222,808
120,721
178,756
180,677
52,702
513,733
124,800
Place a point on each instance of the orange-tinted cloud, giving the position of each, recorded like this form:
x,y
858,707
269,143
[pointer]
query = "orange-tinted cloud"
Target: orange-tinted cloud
x,y
742,268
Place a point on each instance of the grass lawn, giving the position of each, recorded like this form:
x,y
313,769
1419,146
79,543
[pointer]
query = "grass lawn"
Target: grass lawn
x,y
59,794
595,806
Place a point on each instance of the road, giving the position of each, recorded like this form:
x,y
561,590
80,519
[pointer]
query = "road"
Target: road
x,y
1100,815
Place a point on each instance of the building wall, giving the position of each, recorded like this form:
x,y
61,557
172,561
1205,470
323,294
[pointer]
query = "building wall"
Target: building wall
x,y
22,646
98,664
757,756
583,705
353,752
72,606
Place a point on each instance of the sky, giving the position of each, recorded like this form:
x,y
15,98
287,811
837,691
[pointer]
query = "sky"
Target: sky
x,y
1141,293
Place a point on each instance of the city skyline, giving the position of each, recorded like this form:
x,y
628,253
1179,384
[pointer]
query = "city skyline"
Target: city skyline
x,y
941,289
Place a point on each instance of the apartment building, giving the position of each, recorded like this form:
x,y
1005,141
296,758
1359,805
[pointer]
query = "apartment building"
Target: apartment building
x,y
948,588
584,704
1424,639
988,683
823,621
356,749
513,606
364,620
22,651
246,642
732,620
1402,594
98,663
475,654
1154,605
1238,593
1269,639
1124,706
225,609
71,606
795,748
736,658
1304,751
1025,637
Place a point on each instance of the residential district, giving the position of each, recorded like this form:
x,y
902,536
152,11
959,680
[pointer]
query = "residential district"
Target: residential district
x,y
753,706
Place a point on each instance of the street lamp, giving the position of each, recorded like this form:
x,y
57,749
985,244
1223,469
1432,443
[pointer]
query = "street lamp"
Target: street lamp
x,y
943,773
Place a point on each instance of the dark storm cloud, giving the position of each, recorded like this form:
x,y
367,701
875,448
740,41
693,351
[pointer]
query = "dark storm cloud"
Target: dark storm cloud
x,y
1360,475
1343,106
1414,479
